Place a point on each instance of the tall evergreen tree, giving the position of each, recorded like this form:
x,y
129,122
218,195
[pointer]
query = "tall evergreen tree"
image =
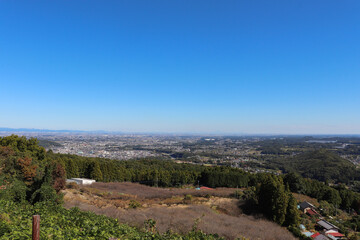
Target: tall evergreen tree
x,y
273,199
96,172
292,213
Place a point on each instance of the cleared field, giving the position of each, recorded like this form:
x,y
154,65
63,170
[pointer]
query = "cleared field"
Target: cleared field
x,y
143,191
212,211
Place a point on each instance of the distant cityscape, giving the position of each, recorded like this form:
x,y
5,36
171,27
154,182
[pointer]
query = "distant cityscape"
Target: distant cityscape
x,y
247,152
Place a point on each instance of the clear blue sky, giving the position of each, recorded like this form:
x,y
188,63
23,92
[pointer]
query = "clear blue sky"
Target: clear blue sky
x,y
181,66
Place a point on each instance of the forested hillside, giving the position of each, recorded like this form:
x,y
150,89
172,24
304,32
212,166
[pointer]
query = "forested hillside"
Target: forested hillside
x,y
322,165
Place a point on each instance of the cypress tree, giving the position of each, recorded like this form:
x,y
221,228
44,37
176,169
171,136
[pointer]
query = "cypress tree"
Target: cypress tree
x,y
96,172
292,213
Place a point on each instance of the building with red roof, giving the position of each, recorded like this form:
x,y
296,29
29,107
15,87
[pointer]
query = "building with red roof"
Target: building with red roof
x,y
315,235
312,212
335,235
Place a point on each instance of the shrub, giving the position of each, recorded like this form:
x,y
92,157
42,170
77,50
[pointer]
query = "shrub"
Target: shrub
x,y
134,204
15,192
188,197
72,185
238,194
150,225
4,228
297,233
44,193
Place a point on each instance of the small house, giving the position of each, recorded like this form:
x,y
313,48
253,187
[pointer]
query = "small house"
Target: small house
x,y
305,206
319,236
83,181
335,235
315,235
326,226
312,212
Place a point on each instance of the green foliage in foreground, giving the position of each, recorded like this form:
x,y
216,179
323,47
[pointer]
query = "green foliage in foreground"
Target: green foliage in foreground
x,y
59,223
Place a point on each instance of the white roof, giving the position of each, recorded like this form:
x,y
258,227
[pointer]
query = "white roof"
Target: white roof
x,y
82,179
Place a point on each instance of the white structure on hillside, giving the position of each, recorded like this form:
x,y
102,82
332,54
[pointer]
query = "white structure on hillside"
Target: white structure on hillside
x,y
83,181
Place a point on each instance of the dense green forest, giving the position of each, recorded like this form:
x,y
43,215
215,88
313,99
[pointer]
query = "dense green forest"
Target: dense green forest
x,y
322,165
47,144
316,158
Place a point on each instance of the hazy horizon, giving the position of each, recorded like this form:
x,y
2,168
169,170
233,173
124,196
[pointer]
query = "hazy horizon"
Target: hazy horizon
x,y
233,67
99,131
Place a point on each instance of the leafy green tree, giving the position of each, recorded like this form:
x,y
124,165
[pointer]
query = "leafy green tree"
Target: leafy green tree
x,y
332,196
347,198
16,191
326,208
44,193
5,152
294,181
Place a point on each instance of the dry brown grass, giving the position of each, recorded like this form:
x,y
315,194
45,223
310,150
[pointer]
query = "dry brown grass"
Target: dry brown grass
x,y
142,191
182,219
167,207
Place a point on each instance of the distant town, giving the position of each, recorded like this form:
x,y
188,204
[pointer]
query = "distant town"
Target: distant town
x,y
251,153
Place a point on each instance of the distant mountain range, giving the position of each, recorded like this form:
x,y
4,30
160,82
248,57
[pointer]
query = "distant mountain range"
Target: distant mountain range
x,y
47,130
35,130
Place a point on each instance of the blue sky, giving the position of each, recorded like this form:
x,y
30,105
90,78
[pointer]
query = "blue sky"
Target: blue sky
x,y
181,66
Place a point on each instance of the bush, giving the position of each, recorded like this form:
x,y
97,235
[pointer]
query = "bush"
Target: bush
x,y
150,225
134,204
15,192
238,194
4,228
73,185
188,197
297,233
45,193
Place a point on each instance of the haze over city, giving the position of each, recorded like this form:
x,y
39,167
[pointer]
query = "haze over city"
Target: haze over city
x,y
245,67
